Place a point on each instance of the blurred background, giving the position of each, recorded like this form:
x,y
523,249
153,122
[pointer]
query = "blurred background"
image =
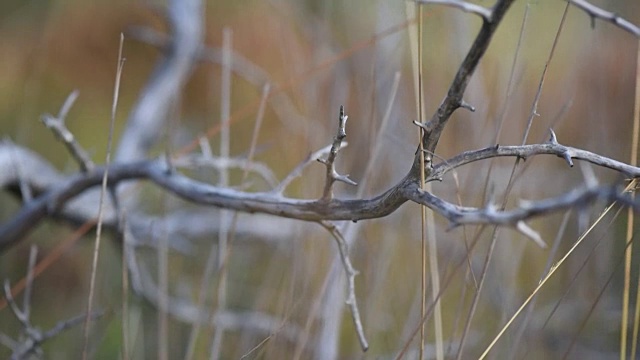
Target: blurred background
x,y
281,275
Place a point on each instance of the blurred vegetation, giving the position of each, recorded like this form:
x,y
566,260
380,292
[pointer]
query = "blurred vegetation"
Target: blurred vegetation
x,y
50,48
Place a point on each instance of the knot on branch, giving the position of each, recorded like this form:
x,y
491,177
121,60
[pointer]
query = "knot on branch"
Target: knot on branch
x,y
553,140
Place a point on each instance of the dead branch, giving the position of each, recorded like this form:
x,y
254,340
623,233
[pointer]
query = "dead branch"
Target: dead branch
x,y
597,13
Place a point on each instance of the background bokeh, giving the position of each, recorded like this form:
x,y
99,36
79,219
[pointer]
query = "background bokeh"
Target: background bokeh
x,y
324,54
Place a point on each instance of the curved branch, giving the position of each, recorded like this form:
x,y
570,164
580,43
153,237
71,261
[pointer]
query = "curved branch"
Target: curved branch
x,y
159,173
525,151
273,203
459,215
146,119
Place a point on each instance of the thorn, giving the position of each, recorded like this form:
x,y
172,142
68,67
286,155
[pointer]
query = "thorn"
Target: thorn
x,y
466,105
420,125
567,158
553,138
531,234
345,179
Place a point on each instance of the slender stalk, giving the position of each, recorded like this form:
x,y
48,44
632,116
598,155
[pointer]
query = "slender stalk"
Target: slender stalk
x,y
96,249
630,220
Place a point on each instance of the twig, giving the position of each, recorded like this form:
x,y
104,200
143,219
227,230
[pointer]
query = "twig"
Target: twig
x,y
343,249
333,291
34,337
57,125
331,173
595,12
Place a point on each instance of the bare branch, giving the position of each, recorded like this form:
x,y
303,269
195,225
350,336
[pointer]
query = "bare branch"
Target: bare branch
x,y
146,120
275,204
525,151
343,249
57,125
483,12
459,215
595,12
156,170
33,337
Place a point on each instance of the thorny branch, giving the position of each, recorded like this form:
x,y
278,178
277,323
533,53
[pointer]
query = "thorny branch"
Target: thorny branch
x,y
57,125
595,12
184,47
343,249
157,171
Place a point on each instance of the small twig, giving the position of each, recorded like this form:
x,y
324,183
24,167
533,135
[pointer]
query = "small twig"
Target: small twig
x,y
351,301
19,314
332,175
483,12
34,337
32,345
57,125
596,12
66,324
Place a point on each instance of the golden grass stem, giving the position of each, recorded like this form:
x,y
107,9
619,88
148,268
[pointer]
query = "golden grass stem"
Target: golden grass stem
x,y
96,249
630,222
